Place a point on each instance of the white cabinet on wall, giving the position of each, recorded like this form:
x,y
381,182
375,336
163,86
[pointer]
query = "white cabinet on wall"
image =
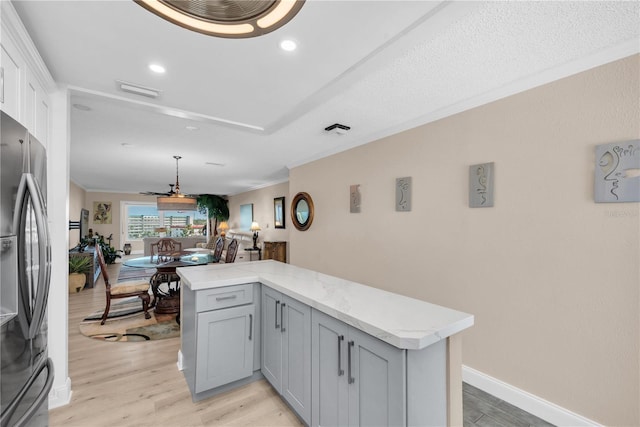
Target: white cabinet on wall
x,y
286,349
357,379
11,70
22,79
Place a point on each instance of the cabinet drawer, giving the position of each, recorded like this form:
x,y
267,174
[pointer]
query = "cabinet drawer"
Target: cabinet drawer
x,y
228,296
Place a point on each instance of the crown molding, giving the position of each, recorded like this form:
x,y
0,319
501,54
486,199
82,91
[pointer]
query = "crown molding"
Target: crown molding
x,y
18,34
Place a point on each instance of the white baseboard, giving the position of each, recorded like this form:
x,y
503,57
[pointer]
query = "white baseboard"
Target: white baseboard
x,y
534,405
179,363
60,396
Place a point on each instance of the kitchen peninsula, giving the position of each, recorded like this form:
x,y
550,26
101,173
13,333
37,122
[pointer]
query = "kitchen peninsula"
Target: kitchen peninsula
x,y
337,351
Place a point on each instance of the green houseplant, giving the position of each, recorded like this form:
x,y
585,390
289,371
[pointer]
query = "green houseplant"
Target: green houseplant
x,y
217,209
108,252
79,266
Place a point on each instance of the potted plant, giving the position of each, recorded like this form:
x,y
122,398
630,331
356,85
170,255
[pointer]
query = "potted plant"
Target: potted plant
x,y
79,266
108,252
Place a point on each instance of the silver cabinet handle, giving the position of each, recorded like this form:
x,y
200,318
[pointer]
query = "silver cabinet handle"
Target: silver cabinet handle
x,y
340,370
282,329
277,305
226,298
351,379
250,326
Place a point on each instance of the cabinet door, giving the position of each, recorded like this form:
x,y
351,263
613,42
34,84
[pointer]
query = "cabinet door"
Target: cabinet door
x,y
330,404
10,78
296,356
272,337
376,372
224,346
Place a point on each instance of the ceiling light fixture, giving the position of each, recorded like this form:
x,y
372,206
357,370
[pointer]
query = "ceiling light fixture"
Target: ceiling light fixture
x,y
177,201
226,18
157,68
288,45
338,129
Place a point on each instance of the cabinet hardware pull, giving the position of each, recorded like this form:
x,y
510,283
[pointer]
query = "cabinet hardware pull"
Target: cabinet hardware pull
x,y
340,370
351,379
225,298
282,317
277,304
250,326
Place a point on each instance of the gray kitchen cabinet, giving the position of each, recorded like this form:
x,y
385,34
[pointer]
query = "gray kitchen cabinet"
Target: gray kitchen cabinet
x,y
225,346
286,349
219,334
358,380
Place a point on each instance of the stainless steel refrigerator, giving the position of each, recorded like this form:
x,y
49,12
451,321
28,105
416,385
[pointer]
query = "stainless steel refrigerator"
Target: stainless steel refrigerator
x,y
26,372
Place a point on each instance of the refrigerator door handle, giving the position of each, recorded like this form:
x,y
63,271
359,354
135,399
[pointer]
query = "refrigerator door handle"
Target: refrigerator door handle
x,y
38,401
29,186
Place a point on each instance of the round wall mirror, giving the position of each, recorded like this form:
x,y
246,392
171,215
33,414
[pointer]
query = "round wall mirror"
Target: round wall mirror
x,y
302,211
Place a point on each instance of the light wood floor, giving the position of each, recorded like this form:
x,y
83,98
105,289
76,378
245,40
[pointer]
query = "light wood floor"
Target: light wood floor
x,y
138,384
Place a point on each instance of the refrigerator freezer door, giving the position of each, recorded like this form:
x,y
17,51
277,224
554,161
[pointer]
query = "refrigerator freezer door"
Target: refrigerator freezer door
x,y
8,278
12,146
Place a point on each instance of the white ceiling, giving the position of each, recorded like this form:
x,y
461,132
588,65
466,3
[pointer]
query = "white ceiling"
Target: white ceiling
x,y
377,66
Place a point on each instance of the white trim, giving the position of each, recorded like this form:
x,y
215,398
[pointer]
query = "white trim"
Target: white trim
x,y
605,56
60,396
19,35
534,405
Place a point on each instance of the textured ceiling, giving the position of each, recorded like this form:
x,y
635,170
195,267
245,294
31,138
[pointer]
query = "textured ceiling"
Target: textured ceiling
x,y
379,67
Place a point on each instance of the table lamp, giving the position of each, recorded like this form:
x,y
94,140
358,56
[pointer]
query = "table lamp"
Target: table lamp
x,y
223,227
255,228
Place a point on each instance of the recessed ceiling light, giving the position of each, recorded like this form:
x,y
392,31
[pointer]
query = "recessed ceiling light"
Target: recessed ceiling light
x,y
288,45
157,68
191,127
81,107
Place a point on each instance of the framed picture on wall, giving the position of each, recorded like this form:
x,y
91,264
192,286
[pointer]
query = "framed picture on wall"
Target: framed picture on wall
x,y
278,212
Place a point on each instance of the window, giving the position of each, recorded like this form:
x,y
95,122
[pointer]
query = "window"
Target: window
x,y
144,220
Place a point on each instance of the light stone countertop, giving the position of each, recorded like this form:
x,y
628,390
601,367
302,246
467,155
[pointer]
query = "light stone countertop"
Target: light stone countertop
x,y
401,321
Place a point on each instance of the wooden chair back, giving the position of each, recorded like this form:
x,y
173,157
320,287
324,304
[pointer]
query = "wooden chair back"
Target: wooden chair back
x,y
232,250
217,253
165,247
134,288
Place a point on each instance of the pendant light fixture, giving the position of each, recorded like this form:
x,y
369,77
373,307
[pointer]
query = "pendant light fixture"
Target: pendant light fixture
x,y
177,201
226,18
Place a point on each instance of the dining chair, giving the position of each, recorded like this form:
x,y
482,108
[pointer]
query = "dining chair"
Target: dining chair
x,y
232,250
217,253
165,247
131,288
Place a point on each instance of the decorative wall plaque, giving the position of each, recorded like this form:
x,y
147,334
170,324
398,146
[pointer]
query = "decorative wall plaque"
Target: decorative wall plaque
x,y
354,198
617,172
403,194
481,185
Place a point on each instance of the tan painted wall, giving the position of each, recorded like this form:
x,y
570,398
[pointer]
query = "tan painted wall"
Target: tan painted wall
x,y
114,227
262,200
76,203
551,276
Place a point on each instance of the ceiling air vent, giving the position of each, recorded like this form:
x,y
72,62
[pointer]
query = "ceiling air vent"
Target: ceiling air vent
x,y
136,89
337,128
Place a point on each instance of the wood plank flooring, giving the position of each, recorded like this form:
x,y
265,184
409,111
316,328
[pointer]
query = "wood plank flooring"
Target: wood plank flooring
x,y
138,384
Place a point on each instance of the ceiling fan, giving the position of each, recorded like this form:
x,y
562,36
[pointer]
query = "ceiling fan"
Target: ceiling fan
x,y
154,193
174,199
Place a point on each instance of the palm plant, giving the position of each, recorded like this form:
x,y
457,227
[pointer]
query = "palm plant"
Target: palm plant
x,y
217,209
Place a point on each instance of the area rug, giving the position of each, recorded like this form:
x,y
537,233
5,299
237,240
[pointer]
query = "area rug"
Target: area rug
x,y
126,323
134,273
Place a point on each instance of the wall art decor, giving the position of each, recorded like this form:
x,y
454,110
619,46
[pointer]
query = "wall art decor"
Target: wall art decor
x,y
246,216
354,198
102,213
617,172
278,212
481,185
403,194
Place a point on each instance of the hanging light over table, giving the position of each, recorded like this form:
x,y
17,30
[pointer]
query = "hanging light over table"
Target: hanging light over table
x,y
177,201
